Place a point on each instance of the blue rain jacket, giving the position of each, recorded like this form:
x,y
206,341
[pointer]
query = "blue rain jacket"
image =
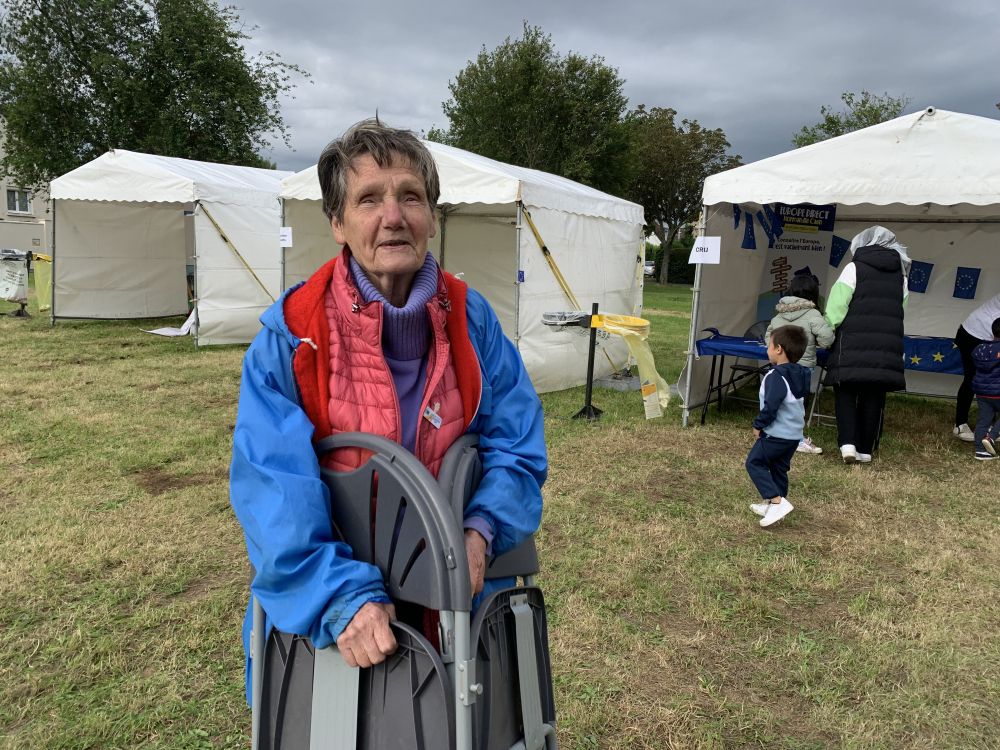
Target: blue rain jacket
x,y
307,583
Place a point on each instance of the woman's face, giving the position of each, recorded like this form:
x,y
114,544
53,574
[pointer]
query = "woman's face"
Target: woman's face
x,y
388,219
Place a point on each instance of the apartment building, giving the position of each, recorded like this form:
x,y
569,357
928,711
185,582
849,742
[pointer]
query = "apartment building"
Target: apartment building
x,y
25,221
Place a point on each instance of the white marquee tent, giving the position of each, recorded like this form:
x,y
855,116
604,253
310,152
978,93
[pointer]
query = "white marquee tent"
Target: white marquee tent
x,y
932,177
128,226
594,238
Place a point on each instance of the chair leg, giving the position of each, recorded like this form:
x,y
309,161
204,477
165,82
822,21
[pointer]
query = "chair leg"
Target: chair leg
x,y
463,675
708,396
812,411
257,641
722,367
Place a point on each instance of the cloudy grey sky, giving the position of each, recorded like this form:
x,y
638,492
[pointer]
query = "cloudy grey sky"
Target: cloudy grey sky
x,y
758,70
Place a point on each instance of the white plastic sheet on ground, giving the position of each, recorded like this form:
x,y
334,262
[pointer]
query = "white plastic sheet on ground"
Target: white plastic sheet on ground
x,y
184,330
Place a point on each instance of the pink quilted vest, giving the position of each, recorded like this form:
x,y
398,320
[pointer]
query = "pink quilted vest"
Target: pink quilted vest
x,y
362,396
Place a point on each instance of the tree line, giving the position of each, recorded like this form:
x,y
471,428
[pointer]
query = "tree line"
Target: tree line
x,y
524,103
173,77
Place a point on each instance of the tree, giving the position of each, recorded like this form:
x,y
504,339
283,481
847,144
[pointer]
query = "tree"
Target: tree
x,y
169,77
525,104
671,163
869,110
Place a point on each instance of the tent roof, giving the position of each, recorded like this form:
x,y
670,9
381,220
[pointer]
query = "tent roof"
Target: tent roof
x,y
122,175
931,156
470,178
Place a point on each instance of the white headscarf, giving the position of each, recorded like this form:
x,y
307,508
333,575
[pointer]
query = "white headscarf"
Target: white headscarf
x,y
883,238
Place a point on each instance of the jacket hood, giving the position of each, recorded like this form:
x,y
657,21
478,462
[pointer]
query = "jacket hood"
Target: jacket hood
x,y
987,357
794,308
797,377
879,258
274,317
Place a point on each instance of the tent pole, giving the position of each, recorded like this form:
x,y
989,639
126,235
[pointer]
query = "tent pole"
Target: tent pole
x,y
194,257
52,302
517,279
695,304
281,204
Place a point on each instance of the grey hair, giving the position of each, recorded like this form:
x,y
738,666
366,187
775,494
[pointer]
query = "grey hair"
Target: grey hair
x,y
387,146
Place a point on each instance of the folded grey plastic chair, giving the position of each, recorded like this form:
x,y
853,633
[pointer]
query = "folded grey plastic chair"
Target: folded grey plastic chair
x,y
418,698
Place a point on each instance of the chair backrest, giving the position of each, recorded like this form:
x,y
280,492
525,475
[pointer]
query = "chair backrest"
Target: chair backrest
x,y
460,474
394,515
757,330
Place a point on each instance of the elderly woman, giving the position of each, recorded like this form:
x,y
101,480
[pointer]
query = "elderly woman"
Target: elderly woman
x,y
865,309
378,340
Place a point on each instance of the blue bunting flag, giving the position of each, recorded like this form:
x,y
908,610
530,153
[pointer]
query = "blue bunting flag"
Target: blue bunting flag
x,y
767,229
838,250
749,241
966,281
774,221
736,216
920,274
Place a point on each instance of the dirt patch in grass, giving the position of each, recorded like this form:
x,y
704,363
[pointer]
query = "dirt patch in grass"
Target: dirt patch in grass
x,y
156,480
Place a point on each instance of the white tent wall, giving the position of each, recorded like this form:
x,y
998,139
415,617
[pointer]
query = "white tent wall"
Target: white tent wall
x,y
597,257
312,240
948,237
230,301
484,250
119,260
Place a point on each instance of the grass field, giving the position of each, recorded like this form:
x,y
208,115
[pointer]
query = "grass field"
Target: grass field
x,y
867,619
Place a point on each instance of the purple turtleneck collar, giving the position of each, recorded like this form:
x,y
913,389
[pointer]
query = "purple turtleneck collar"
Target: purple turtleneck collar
x,y
405,330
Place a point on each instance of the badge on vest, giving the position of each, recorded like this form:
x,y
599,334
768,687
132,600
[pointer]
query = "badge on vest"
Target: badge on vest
x,y
432,416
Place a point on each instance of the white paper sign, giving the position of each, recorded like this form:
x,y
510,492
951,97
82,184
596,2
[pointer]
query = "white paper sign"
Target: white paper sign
x,y
285,236
706,250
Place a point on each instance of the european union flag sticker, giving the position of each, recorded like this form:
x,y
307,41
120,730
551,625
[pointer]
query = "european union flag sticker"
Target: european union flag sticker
x,y
838,249
965,282
920,274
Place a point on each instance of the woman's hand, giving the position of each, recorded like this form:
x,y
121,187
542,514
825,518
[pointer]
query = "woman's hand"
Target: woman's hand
x,y
368,639
475,550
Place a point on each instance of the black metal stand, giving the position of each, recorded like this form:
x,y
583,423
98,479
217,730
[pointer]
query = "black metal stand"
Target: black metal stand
x,y
591,412
21,313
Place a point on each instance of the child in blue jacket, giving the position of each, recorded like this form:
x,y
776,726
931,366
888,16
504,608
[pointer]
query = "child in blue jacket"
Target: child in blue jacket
x,y
986,386
778,426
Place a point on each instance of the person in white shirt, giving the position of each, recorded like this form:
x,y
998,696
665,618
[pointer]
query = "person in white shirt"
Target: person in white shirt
x,y
975,330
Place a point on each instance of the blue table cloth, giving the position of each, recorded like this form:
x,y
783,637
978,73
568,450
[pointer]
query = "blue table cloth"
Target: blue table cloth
x,y
924,353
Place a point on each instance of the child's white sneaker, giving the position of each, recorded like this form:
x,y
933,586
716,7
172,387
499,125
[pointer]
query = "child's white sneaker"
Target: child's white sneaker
x,y
864,458
849,453
806,446
963,432
760,508
776,511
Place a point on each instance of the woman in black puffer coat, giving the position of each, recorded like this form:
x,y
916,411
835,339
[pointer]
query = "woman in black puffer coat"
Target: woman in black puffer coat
x,y
865,309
